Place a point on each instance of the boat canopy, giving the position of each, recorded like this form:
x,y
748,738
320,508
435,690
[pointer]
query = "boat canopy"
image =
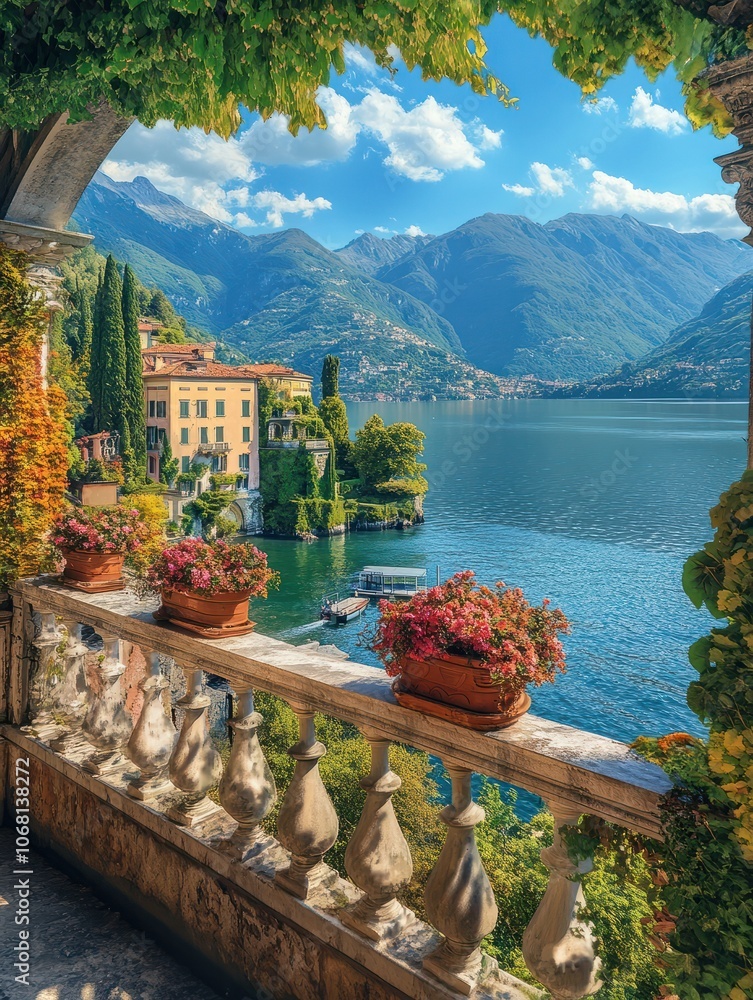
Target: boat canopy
x,y
390,581
396,571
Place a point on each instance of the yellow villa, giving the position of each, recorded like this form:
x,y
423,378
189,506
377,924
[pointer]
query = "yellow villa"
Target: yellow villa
x,y
209,412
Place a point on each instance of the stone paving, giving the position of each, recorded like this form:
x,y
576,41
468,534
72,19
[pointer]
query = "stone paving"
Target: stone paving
x,y
80,949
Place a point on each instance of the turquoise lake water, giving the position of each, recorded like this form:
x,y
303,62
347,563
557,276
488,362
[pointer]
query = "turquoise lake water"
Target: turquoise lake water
x,y
593,503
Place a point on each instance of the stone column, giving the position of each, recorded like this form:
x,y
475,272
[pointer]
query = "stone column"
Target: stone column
x,y
307,824
378,858
732,84
108,725
71,695
45,250
195,765
153,736
458,895
558,946
247,789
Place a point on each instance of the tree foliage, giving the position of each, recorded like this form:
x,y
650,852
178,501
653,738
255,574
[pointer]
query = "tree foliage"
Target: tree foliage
x,y
330,376
383,454
593,41
134,386
197,63
33,440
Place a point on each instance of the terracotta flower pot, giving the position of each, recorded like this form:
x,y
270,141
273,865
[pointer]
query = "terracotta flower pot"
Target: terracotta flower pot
x,y
211,615
461,689
96,572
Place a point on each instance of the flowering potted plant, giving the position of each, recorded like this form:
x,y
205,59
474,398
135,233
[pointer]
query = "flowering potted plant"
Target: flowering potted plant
x,y
95,542
206,586
467,653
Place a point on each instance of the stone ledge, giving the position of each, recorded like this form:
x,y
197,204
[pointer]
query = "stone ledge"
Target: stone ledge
x,y
397,966
583,771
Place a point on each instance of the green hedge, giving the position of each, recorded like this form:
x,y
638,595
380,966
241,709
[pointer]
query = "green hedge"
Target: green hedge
x,y
318,515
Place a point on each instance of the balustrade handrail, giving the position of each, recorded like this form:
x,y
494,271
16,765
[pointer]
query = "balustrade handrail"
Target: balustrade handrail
x,y
584,772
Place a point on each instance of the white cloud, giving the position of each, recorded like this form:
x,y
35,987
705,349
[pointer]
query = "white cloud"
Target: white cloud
x,y
520,190
357,58
383,229
551,180
485,137
644,113
414,231
189,164
601,106
271,143
584,162
424,142
713,212
278,206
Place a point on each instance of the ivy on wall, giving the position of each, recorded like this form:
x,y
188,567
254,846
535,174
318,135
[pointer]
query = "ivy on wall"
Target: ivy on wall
x,y
34,429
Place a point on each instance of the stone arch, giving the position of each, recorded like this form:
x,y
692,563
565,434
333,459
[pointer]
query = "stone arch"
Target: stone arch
x,y
44,173
235,513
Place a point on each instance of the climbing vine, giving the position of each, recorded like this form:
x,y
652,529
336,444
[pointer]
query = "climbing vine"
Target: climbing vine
x,y
197,61
33,435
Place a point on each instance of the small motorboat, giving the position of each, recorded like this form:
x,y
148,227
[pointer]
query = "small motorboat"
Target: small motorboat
x,y
341,611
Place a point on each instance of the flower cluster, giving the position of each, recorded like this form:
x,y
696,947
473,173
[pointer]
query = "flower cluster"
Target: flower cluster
x,y
517,642
100,529
214,568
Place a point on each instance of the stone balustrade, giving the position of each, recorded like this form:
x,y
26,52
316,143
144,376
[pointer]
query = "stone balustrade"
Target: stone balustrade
x,y
573,771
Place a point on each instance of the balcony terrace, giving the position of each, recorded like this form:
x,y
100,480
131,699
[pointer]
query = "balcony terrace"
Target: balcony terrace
x,y
267,912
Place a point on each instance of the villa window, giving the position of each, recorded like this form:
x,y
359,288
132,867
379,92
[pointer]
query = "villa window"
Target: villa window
x,y
243,462
219,407
204,435
184,407
151,437
245,407
219,433
185,463
152,408
246,433
201,408
184,435
161,408
152,466
219,463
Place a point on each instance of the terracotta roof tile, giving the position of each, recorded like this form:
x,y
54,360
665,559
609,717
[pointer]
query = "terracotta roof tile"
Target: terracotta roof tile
x,y
199,369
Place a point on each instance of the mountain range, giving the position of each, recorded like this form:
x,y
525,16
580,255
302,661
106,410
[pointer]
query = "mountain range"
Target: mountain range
x,y
499,304
707,358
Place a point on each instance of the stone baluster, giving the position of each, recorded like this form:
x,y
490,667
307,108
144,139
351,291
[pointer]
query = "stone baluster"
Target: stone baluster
x,y
307,824
378,858
153,737
195,764
458,895
45,677
558,946
247,789
107,724
71,695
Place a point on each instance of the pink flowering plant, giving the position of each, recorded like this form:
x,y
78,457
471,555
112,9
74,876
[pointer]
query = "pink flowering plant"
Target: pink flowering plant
x,y
212,568
518,642
117,529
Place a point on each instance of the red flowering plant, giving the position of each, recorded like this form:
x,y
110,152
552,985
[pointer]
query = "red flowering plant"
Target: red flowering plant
x,y
517,642
117,529
212,568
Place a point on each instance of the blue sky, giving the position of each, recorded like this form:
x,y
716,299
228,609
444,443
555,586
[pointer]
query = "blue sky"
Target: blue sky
x,y
405,155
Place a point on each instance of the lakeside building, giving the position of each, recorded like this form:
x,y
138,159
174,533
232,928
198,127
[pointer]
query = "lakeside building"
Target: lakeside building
x,y
209,413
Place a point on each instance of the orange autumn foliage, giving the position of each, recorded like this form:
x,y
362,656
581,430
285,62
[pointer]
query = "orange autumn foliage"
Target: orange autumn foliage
x,y
33,440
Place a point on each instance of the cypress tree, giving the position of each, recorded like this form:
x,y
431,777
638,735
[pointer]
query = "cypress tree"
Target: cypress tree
x,y
331,376
95,376
85,331
134,380
113,353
